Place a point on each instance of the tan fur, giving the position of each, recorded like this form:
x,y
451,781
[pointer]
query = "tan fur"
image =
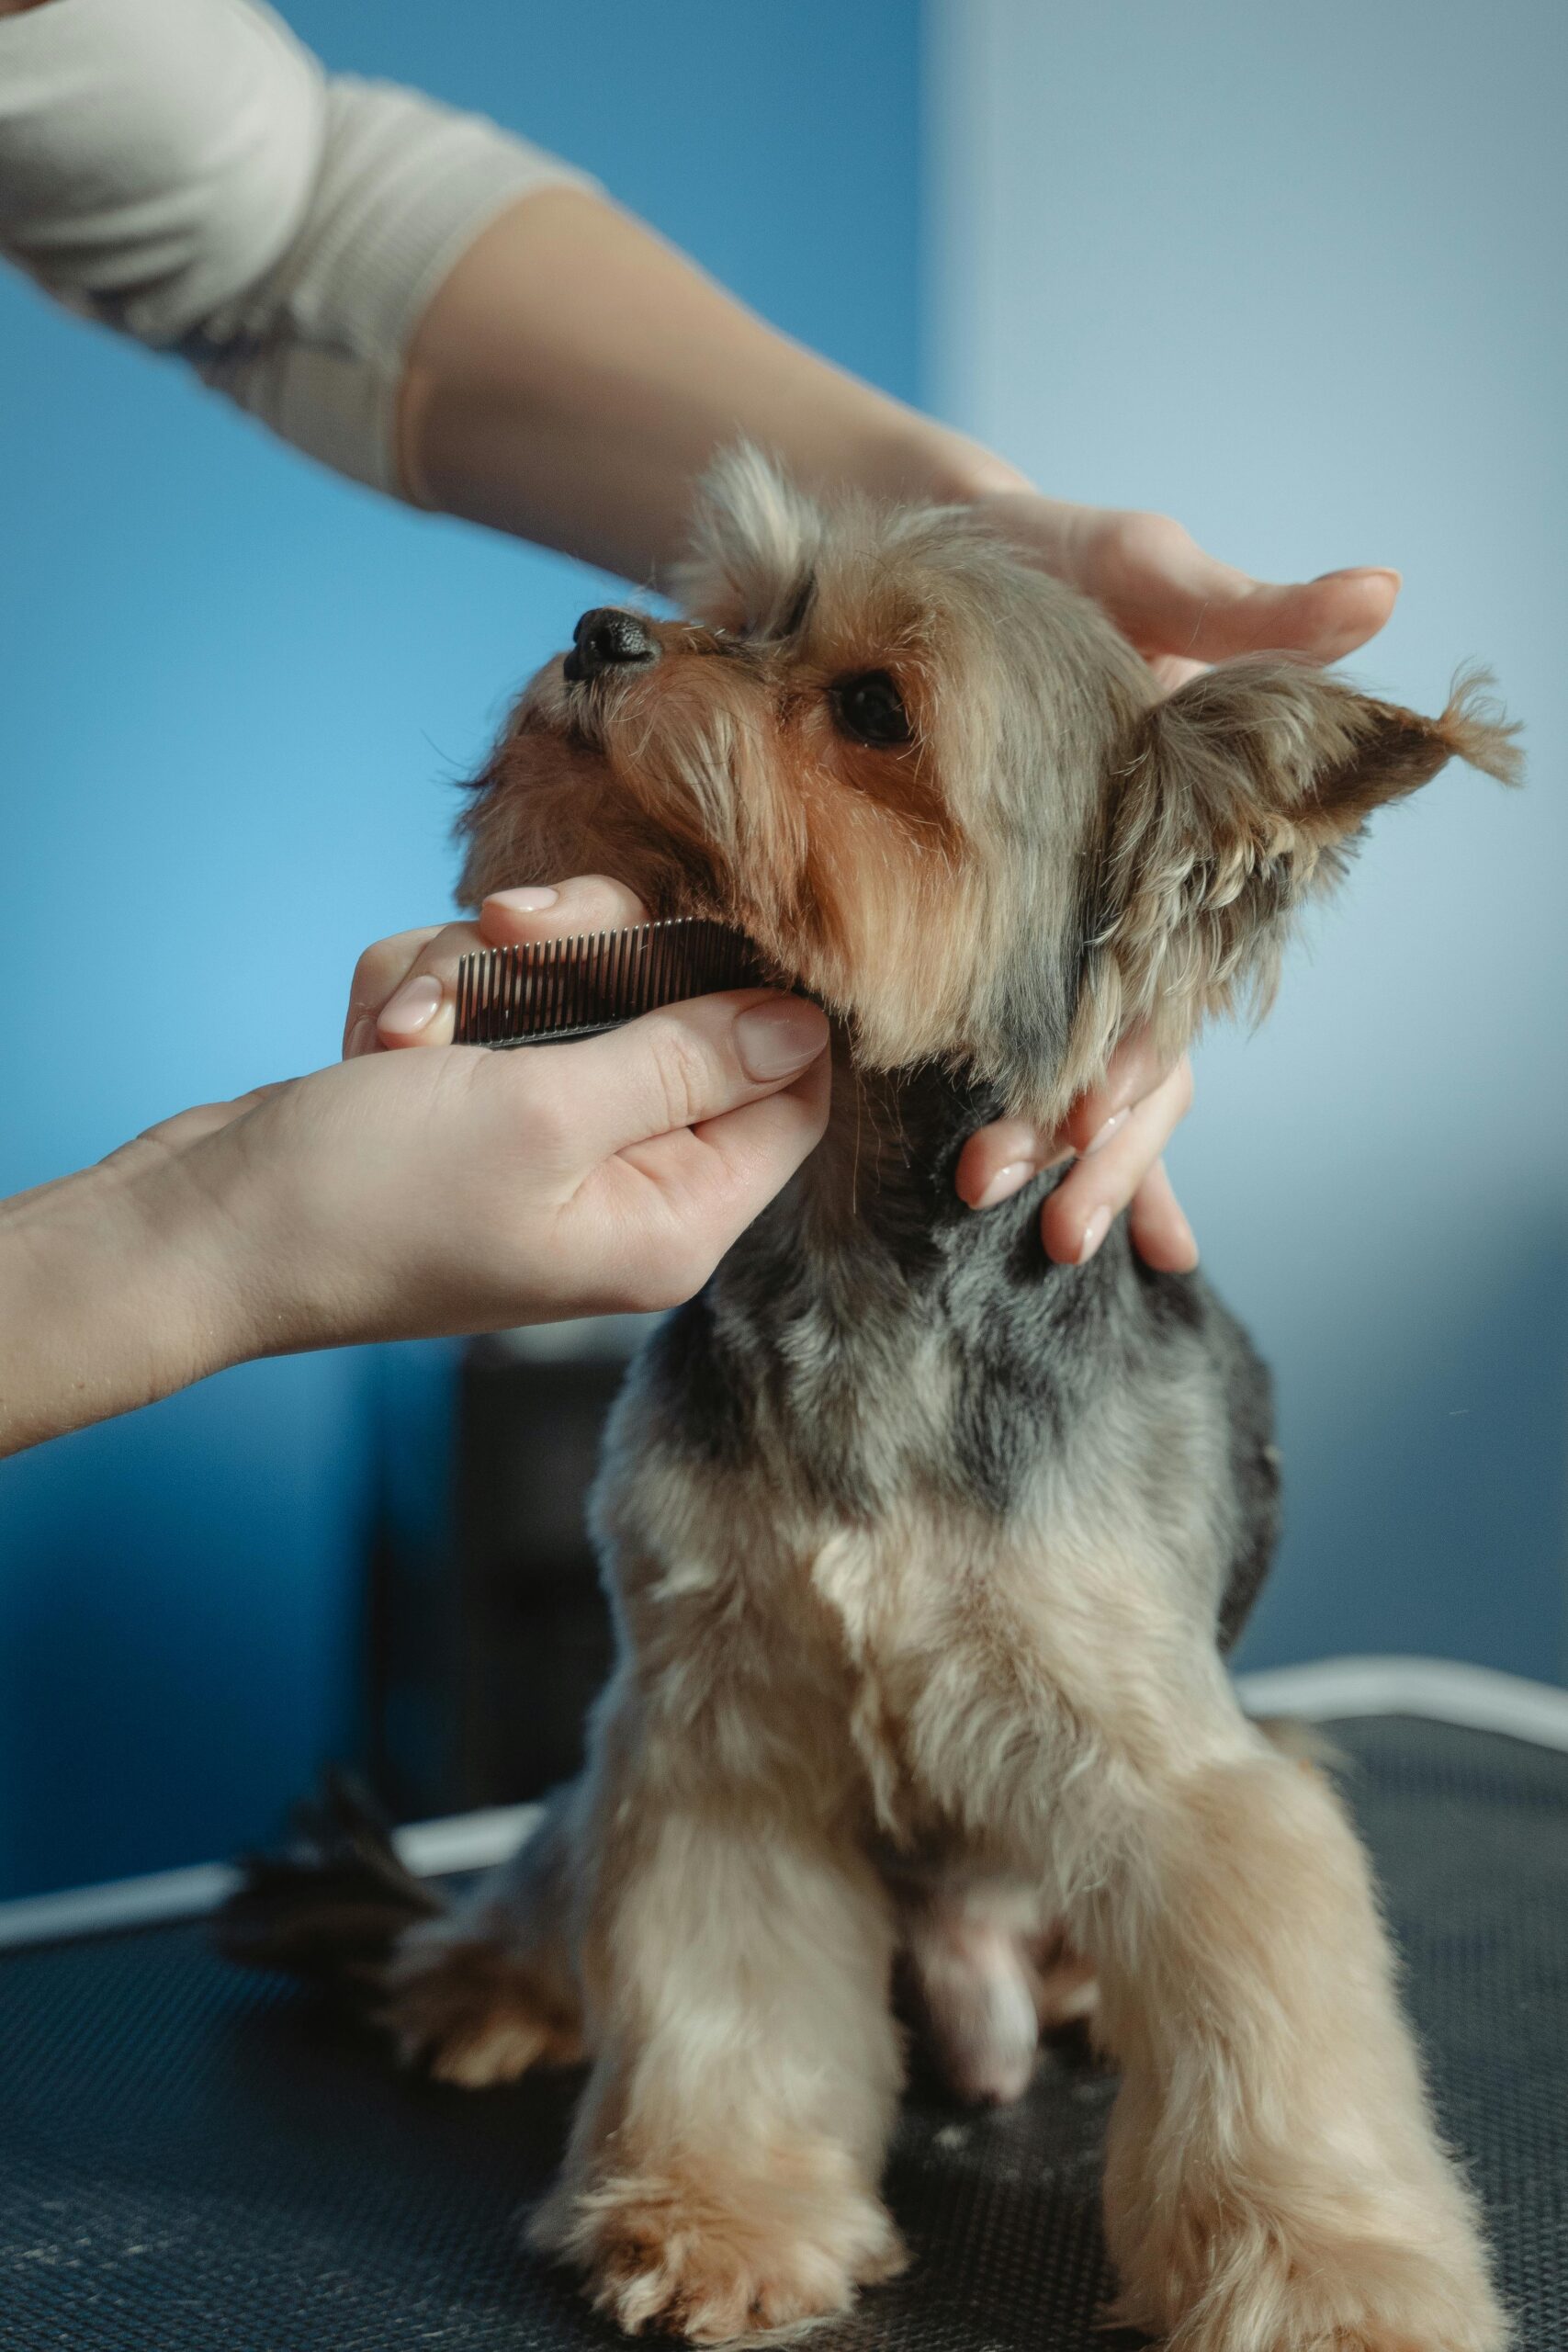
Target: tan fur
x,y
1022,1713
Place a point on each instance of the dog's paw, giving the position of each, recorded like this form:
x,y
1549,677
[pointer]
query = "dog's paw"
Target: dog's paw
x,y
1257,2293
470,2012
721,2263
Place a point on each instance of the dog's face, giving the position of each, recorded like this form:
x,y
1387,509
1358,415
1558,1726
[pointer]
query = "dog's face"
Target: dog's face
x,y
937,788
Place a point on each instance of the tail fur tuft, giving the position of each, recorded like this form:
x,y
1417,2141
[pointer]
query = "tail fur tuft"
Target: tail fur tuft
x,y
331,1905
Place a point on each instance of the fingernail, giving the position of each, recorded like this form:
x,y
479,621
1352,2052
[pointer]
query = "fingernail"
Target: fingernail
x,y
1364,571
1005,1183
415,1007
1094,1234
775,1039
1097,1142
530,901
357,1041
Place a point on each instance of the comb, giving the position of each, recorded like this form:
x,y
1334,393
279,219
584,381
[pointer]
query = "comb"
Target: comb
x,y
554,990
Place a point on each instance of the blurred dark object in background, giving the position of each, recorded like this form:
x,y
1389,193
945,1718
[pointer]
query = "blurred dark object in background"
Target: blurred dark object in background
x,y
488,1636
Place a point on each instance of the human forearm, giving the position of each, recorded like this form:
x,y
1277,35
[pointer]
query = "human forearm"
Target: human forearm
x,y
111,1295
574,374
327,251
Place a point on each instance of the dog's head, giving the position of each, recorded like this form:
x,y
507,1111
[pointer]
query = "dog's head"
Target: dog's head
x,y
936,787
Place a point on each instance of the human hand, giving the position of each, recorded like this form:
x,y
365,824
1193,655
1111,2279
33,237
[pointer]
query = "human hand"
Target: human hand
x,y
404,994
1116,1134
400,1195
1179,606
1181,609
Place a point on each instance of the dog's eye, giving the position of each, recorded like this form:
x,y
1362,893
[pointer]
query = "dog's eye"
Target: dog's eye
x,y
871,709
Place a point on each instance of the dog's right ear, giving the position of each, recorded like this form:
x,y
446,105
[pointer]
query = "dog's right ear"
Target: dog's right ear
x,y
1238,798
752,541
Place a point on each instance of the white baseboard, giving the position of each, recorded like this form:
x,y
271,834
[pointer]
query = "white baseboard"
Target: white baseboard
x,y
1328,1690
1335,1688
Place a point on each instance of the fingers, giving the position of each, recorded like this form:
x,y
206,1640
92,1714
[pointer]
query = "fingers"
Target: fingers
x,y
668,1137
1081,1212
1119,1131
680,1200
1134,1071
419,1008
1161,1235
376,976
1001,1159
677,1069
418,1005
1181,605
1324,619
587,902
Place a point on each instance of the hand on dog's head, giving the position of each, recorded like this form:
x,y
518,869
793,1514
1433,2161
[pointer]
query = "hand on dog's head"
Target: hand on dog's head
x,y
935,786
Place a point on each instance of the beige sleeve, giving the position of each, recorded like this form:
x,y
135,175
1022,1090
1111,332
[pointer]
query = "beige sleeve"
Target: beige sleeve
x,y
184,171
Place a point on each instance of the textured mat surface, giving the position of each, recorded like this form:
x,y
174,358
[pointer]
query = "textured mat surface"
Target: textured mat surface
x,y
199,2162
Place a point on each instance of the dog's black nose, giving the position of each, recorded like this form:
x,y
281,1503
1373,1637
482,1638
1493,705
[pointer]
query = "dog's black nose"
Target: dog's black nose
x,y
606,638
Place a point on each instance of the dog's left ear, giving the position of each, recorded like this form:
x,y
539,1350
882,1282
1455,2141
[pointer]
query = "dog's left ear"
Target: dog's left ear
x,y
1238,798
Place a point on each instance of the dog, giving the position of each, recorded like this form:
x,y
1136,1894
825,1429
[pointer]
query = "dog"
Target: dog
x,y
924,1553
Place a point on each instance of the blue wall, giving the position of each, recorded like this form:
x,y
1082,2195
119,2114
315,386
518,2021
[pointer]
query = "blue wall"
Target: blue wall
x,y
234,695
1295,277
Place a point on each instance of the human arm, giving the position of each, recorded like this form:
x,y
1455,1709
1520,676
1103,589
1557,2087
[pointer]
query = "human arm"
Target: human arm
x,y
429,302
574,375
404,1196
425,303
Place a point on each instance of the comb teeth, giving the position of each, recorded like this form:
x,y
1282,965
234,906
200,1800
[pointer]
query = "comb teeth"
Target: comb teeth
x,y
556,988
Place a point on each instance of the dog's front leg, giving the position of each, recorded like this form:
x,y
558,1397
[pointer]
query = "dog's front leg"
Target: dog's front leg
x,y
1274,2181
723,2170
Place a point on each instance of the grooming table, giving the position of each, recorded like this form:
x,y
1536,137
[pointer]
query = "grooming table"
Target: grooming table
x,y
200,2160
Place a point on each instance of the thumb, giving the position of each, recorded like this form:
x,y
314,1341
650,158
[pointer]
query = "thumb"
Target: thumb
x,y
688,1063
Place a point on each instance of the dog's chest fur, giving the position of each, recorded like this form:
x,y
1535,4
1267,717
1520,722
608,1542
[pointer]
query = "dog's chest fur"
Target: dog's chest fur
x,y
894,1474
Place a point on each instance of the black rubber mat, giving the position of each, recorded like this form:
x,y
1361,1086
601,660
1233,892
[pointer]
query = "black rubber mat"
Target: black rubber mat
x,y
201,2161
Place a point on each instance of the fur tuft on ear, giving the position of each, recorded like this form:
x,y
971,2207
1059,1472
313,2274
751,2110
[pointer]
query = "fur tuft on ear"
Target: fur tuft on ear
x,y
1475,730
752,542
1239,797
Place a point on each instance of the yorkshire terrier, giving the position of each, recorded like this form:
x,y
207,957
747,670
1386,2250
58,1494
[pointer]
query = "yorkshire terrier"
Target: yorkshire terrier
x,y
925,1554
